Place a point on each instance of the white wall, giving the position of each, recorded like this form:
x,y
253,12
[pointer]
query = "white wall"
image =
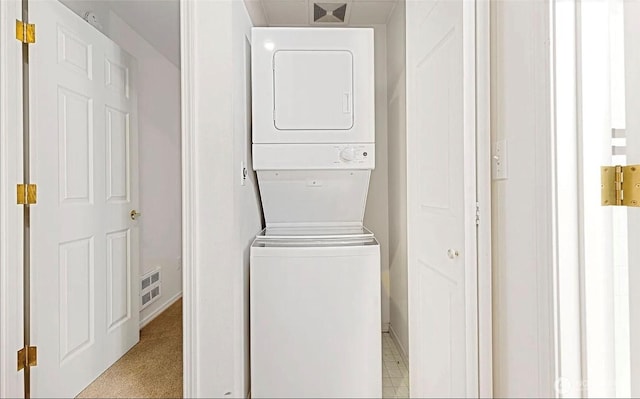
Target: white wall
x,y
100,8
397,141
256,12
523,259
225,215
158,86
376,216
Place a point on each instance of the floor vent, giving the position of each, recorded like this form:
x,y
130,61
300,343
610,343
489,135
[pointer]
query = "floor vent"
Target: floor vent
x,y
150,288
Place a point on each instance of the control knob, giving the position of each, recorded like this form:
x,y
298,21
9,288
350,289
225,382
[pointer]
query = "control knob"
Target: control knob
x,y
348,154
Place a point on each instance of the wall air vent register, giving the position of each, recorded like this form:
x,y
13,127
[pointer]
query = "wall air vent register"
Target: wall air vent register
x,y
329,12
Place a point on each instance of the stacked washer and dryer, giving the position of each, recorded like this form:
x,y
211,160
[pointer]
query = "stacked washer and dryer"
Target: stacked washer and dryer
x,y
315,269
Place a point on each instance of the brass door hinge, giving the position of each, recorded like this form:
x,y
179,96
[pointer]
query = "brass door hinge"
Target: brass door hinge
x,y
620,185
27,194
25,33
27,357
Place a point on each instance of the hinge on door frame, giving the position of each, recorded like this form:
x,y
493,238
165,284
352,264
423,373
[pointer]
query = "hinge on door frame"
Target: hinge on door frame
x,y
26,194
620,185
27,357
477,213
25,33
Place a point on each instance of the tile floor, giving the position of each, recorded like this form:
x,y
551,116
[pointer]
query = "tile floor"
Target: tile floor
x,y
395,370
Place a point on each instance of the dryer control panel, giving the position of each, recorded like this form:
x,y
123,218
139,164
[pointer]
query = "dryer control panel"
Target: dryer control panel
x,y
313,156
354,154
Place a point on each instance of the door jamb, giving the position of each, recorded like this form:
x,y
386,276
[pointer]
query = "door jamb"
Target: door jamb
x,y
483,183
11,223
189,196
10,247
483,198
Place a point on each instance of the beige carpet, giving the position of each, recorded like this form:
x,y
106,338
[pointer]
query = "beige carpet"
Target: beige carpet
x,y
152,368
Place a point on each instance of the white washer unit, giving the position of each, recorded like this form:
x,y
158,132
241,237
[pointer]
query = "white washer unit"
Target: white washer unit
x,y
315,269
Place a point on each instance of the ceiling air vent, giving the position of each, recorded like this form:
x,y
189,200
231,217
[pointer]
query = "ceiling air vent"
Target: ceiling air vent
x,y
329,12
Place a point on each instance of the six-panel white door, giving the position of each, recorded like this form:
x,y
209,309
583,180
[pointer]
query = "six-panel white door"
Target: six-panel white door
x,y
441,180
84,244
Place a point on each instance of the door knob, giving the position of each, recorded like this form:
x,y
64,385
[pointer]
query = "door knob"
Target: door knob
x,y
134,214
452,253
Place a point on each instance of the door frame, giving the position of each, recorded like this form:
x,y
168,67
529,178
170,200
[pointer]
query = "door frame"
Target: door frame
x,y
11,222
11,256
483,196
190,217
570,291
190,341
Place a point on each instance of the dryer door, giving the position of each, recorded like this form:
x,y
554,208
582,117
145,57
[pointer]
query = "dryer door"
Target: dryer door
x,y
312,85
313,90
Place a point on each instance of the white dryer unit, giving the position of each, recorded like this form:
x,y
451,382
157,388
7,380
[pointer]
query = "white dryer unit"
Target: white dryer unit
x,y
313,85
315,270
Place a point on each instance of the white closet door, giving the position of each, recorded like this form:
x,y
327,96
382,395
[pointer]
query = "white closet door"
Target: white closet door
x,y
84,243
441,198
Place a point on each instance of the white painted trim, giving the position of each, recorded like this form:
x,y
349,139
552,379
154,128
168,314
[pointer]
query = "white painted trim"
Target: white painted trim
x,y
11,314
567,284
483,186
396,339
189,224
470,145
537,360
386,327
545,226
632,100
161,309
579,189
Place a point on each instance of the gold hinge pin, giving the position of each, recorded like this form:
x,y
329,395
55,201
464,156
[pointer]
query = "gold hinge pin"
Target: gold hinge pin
x,y
619,179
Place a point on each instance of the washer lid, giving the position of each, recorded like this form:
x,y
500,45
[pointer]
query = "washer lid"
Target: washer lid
x,y
314,233
314,237
299,243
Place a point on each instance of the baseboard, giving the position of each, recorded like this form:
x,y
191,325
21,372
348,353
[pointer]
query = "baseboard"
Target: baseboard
x,y
161,309
385,327
403,351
